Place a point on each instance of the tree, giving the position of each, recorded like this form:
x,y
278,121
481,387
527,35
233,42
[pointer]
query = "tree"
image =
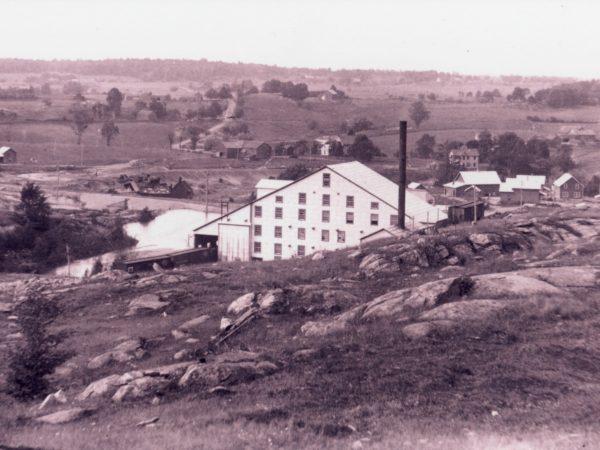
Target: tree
x,y
363,149
114,99
418,113
158,108
80,123
563,159
486,143
33,210
425,146
194,131
294,172
446,170
592,187
518,95
109,131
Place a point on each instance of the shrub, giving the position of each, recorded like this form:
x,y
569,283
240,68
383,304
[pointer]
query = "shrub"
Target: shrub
x,y
30,363
146,216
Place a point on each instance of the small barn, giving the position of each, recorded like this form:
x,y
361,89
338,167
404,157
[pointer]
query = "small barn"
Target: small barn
x,y
257,150
8,155
182,189
420,191
522,189
567,187
234,149
466,212
486,182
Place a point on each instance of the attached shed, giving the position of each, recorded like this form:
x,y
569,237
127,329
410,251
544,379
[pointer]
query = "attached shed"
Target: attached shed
x,y
8,155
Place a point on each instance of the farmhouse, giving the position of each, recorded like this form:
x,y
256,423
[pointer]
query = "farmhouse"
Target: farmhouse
x,y
567,187
331,208
466,157
7,155
485,183
326,143
522,189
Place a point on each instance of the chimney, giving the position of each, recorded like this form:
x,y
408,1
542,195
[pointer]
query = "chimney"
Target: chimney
x,y
402,178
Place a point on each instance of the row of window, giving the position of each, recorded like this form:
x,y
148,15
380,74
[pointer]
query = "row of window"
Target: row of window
x,y
325,201
325,215
341,235
278,249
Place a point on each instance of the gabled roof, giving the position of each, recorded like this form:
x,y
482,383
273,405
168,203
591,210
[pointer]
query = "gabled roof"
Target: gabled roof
x,y
372,182
479,177
454,184
563,179
268,183
234,144
464,151
414,185
3,150
525,182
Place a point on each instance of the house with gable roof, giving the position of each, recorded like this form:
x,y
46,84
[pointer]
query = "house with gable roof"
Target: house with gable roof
x,y
330,208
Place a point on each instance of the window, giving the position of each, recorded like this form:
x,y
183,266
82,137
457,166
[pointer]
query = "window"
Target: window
x,y
374,205
258,211
301,234
325,235
257,230
394,219
278,250
279,199
278,213
349,201
257,247
326,180
301,250
277,232
374,219
349,217
302,198
325,216
301,214
564,194
577,186
326,200
576,194
341,236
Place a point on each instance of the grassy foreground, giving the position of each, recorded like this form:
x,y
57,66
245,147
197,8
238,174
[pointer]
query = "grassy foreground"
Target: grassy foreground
x,y
514,381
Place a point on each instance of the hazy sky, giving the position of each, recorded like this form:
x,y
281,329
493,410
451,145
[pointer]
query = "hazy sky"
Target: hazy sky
x,y
529,37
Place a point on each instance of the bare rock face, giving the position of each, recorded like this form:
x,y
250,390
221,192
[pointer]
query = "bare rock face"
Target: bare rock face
x,y
65,416
376,263
146,302
126,351
480,240
452,302
57,398
242,303
226,369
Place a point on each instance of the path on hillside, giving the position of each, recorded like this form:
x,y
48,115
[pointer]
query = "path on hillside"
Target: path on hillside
x,y
227,117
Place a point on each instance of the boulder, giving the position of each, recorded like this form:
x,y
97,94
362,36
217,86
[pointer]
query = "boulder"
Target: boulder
x,y
57,398
272,301
102,387
209,275
325,327
317,256
194,324
146,302
242,303
64,371
462,250
480,240
67,415
225,323
6,307
181,354
126,351
141,387
464,311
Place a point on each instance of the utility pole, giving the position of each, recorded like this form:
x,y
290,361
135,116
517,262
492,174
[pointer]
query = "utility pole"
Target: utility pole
x,y
474,205
206,208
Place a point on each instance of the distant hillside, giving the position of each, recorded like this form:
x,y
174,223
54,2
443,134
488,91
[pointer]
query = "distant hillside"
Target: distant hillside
x,y
193,70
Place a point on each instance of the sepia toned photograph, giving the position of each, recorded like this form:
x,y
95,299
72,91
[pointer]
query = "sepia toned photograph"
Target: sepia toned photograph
x,y
278,224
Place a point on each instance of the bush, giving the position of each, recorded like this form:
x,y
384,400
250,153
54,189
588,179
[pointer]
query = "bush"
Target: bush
x,y
146,216
294,172
30,363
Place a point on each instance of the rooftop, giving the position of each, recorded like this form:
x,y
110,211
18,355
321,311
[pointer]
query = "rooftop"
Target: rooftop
x,y
479,177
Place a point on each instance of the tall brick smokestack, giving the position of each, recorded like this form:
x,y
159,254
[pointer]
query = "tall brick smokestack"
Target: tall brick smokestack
x,y
402,180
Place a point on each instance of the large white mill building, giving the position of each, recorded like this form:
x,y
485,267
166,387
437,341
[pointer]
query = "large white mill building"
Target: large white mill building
x,y
331,208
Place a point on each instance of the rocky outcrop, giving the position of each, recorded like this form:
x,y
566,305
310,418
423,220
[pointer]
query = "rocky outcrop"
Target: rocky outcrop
x,y
226,369
65,416
242,303
126,351
145,303
450,302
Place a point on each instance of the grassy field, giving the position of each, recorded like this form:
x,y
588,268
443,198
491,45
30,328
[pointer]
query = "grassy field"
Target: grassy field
x,y
511,382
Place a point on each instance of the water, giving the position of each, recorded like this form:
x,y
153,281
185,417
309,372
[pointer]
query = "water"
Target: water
x,y
172,230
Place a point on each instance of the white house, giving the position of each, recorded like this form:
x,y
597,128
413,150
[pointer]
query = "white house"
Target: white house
x,y
522,189
330,208
325,143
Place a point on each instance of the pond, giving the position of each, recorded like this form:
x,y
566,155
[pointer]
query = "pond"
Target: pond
x,y
172,230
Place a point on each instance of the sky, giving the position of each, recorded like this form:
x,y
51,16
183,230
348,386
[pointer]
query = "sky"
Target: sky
x,y
526,37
